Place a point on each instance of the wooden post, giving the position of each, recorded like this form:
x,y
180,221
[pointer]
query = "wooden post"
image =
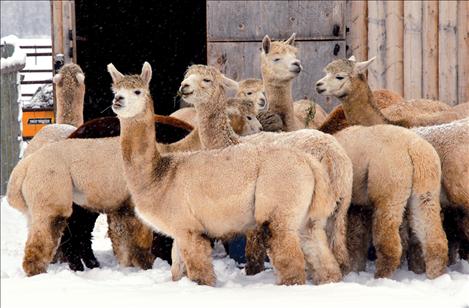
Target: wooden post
x,y
413,49
448,53
377,43
430,50
394,46
463,52
357,36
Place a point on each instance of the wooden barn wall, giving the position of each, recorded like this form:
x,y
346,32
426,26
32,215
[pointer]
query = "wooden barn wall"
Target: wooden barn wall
x,y
235,30
422,47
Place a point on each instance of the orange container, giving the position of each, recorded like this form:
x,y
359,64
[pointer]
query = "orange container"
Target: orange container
x,y
35,119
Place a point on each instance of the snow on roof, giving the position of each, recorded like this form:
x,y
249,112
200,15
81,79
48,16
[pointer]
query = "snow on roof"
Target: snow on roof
x,y
17,60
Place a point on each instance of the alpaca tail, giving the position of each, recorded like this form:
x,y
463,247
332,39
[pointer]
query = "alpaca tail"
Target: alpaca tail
x,y
14,189
424,207
323,202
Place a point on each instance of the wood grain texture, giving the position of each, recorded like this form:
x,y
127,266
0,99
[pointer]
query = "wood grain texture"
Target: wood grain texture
x,y
413,49
448,53
430,50
241,60
357,36
394,46
377,43
252,20
463,52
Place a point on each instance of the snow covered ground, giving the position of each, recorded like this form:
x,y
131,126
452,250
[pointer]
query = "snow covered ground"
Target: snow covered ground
x,y
113,286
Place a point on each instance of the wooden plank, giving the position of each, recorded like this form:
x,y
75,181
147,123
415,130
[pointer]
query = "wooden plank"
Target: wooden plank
x,y
430,50
74,32
394,46
357,36
448,54
413,49
377,43
241,60
463,52
57,28
251,20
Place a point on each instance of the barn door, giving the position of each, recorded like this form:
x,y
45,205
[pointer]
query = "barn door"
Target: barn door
x,y
235,30
63,32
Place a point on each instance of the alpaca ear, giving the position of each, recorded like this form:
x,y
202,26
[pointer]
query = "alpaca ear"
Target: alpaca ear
x,y
266,44
80,77
115,74
57,78
361,67
230,83
146,73
352,58
291,40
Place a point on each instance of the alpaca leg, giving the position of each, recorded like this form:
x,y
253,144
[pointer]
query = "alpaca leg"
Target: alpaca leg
x,y
196,252
337,235
426,224
387,218
319,258
358,237
178,269
256,249
43,238
131,239
415,260
285,254
161,247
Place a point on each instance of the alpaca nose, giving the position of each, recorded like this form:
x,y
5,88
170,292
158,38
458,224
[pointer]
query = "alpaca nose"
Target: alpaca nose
x,y
184,89
298,67
319,83
118,98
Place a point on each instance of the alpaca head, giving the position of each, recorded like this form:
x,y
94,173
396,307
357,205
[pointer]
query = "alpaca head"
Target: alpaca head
x,y
253,89
243,116
342,76
69,83
203,83
279,60
131,92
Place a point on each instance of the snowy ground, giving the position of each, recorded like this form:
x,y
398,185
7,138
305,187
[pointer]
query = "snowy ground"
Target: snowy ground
x,y
113,286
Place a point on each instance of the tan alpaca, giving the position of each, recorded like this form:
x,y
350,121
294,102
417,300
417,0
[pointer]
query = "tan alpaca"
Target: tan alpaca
x,y
279,66
345,80
214,133
70,91
267,185
375,152
308,114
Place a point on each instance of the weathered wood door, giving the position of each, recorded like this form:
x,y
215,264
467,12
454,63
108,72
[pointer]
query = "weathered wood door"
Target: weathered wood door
x,y
235,30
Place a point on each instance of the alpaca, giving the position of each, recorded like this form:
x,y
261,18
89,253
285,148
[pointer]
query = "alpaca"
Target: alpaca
x,y
375,152
279,66
88,172
70,89
215,134
190,208
308,114
345,80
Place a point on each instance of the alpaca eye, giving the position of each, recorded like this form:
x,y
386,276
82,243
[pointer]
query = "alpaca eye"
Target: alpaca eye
x,y
249,118
207,80
339,77
276,59
249,93
137,92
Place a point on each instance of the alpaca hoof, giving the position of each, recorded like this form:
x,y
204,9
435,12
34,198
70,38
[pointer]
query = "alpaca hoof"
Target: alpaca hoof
x,y
205,281
143,259
327,277
253,268
32,268
76,265
436,268
383,273
91,262
296,280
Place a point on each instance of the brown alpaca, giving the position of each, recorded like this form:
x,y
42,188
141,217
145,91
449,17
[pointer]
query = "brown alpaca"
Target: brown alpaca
x,y
70,90
345,80
279,66
214,134
308,114
375,152
192,207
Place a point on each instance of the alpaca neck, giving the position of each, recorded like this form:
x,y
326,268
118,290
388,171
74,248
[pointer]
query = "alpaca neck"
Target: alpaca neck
x,y
360,107
279,96
70,109
139,152
214,129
